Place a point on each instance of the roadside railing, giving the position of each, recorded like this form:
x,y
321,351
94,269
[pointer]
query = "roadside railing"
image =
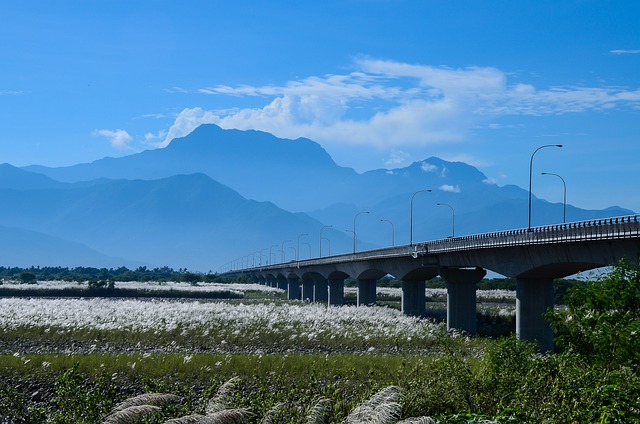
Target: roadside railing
x,y
597,229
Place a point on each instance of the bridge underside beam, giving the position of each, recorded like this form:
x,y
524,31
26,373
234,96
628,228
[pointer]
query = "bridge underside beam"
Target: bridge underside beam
x,y
461,297
533,297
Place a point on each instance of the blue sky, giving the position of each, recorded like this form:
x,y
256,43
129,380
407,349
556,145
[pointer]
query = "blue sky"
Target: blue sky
x,y
379,84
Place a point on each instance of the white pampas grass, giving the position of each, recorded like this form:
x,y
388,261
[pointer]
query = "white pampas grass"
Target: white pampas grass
x,y
382,408
418,420
316,414
155,399
221,399
226,416
131,414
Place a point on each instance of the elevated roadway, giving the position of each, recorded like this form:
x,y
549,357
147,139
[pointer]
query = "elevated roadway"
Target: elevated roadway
x,y
533,257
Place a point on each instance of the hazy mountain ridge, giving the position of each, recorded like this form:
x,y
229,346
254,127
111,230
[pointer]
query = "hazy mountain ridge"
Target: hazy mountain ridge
x,y
186,205
182,221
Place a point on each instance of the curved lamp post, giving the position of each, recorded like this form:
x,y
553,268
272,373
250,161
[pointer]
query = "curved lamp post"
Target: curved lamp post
x,y
354,229
411,215
393,231
531,175
453,217
298,249
308,244
325,226
274,258
282,249
564,198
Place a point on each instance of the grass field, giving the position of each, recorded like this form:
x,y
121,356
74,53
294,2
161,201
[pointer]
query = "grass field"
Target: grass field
x,y
72,360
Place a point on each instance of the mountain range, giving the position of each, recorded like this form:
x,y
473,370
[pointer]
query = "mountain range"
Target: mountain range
x,y
249,197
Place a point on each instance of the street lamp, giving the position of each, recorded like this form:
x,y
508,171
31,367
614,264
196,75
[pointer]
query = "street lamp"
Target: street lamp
x,y
411,215
453,222
564,201
298,249
308,244
326,226
354,229
393,231
282,249
274,257
531,175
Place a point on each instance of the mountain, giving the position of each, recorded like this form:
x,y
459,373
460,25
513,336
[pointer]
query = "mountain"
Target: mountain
x,y
187,205
254,163
24,248
188,221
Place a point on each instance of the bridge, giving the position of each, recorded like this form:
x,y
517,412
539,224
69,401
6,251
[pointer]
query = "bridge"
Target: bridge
x,y
534,257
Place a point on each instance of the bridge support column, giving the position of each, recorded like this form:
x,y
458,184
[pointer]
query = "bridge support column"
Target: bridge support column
x,y
336,292
282,282
461,297
262,281
321,290
366,292
307,290
293,288
533,297
413,298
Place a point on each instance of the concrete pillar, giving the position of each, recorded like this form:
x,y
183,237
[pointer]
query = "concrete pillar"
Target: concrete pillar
x,y
336,291
262,281
366,292
533,297
413,298
293,288
461,297
321,291
282,282
307,290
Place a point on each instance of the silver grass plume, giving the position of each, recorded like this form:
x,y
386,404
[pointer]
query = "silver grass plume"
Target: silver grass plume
x,y
270,416
221,399
317,413
156,399
382,408
226,416
418,420
132,414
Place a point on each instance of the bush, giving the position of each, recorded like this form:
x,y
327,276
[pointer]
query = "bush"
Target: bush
x,y
28,278
602,319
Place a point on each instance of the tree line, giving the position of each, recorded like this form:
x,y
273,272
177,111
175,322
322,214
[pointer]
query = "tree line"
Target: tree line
x,y
142,273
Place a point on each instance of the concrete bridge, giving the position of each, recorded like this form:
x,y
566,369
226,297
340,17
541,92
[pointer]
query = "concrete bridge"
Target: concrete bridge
x,y
533,257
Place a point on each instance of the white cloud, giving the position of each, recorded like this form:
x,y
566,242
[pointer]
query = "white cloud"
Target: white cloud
x,y
397,158
393,106
449,188
427,167
622,51
119,139
490,181
186,121
423,104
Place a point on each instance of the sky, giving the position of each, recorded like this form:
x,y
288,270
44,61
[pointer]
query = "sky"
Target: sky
x,y
378,83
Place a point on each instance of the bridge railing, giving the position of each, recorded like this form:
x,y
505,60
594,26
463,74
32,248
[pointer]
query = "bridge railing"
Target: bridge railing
x,y
597,229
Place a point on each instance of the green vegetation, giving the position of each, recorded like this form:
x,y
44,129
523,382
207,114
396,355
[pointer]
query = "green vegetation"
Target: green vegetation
x,y
593,378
